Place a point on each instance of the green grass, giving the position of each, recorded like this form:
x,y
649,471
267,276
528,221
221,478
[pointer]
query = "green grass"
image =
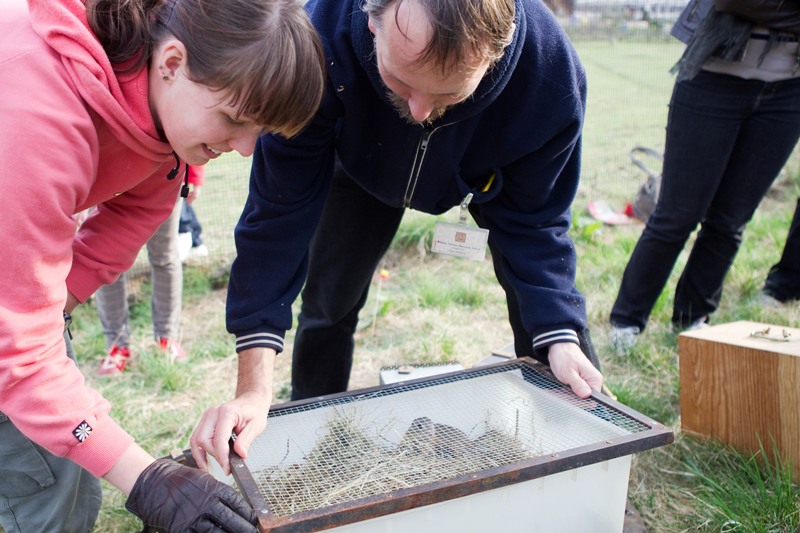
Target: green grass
x,y
746,492
705,486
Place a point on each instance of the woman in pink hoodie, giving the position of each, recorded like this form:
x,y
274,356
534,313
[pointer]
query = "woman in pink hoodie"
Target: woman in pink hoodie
x,y
104,104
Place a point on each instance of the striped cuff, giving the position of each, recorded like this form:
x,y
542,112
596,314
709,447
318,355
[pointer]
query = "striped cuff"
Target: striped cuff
x,y
552,337
259,340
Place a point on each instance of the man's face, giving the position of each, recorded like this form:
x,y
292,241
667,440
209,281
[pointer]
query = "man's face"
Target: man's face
x,y
419,92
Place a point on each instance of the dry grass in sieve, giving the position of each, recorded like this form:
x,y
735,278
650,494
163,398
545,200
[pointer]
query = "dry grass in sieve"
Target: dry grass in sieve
x,y
348,464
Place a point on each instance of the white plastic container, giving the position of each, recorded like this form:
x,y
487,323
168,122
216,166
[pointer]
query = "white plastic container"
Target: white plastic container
x,y
562,463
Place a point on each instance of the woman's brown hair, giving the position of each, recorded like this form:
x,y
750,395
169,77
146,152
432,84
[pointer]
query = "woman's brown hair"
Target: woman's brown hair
x,y
263,55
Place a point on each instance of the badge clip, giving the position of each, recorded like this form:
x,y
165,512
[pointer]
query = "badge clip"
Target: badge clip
x,y
462,216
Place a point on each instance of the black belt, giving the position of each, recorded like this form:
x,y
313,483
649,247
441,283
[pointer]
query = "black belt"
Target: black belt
x,y
780,37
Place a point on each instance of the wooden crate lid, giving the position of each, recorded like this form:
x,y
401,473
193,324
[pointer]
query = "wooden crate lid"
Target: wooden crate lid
x,y
740,334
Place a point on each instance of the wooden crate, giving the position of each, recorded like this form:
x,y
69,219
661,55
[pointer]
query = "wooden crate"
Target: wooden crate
x,y
738,388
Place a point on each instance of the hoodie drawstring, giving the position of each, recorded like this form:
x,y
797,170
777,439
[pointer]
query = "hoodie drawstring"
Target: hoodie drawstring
x,y
174,172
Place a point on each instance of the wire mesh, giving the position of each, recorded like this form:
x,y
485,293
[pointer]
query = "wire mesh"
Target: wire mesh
x,y
362,445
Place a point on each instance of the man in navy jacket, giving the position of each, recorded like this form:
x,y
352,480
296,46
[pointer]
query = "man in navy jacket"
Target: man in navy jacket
x,y
423,109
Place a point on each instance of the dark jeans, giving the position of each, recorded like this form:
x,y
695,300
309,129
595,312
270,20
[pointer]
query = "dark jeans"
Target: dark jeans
x,y
727,140
354,233
189,223
783,281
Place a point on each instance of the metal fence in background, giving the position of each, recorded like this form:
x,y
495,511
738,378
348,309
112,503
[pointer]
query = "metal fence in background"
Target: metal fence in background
x,y
221,201
218,206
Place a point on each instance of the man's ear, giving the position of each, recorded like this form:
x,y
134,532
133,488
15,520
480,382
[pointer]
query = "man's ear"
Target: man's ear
x,y
510,36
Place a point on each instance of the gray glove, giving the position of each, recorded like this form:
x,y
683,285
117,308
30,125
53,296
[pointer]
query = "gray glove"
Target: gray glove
x,y
173,498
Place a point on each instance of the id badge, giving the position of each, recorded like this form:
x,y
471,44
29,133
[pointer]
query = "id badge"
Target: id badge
x,y
460,240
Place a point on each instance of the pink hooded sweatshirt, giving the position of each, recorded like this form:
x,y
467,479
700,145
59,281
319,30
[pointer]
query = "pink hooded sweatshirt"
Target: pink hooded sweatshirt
x,y
72,135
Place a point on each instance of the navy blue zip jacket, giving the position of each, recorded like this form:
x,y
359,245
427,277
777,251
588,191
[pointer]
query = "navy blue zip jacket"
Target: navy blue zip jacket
x,y
522,125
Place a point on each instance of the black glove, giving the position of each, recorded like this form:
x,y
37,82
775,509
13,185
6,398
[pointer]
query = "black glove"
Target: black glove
x,y
173,498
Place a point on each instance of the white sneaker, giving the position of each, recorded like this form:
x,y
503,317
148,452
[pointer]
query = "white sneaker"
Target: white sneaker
x,y
624,339
700,323
184,245
198,251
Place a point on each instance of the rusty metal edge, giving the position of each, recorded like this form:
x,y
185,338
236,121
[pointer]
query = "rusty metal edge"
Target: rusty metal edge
x,y
406,499
247,484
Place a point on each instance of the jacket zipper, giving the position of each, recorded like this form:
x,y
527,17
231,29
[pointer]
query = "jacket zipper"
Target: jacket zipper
x,y
695,5
416,168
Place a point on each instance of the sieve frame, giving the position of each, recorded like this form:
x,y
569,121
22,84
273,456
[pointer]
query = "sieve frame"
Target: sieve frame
x,y
405,499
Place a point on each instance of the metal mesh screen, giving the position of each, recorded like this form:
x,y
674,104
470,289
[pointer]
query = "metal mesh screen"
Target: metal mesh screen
x,y
362,445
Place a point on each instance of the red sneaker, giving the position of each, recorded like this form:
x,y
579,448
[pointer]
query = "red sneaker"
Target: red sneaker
x,y
172,349
115,360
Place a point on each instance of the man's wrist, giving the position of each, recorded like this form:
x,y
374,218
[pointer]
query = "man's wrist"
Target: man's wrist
x,y
255,373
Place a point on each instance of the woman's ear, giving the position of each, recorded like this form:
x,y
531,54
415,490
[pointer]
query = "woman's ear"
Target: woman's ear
x,y
170,58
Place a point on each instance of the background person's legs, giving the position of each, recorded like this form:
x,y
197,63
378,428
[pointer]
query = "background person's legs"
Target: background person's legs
x,y
167,280
765,140
190,234
783,281
695,159
112,308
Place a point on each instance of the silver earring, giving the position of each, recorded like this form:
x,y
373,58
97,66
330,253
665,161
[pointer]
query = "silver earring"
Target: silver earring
x,y
165,77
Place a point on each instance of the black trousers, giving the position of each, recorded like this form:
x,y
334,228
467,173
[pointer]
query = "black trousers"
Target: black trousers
x,y
354,233
783,281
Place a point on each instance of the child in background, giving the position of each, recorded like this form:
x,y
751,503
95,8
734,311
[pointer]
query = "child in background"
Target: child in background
x,y
166,274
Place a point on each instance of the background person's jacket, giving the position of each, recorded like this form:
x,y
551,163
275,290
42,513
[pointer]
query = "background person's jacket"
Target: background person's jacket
x,y
523,124
778,15
72,136
748,39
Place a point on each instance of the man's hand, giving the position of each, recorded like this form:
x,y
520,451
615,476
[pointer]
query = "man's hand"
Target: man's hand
x,y
572,368
245,416
173,498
